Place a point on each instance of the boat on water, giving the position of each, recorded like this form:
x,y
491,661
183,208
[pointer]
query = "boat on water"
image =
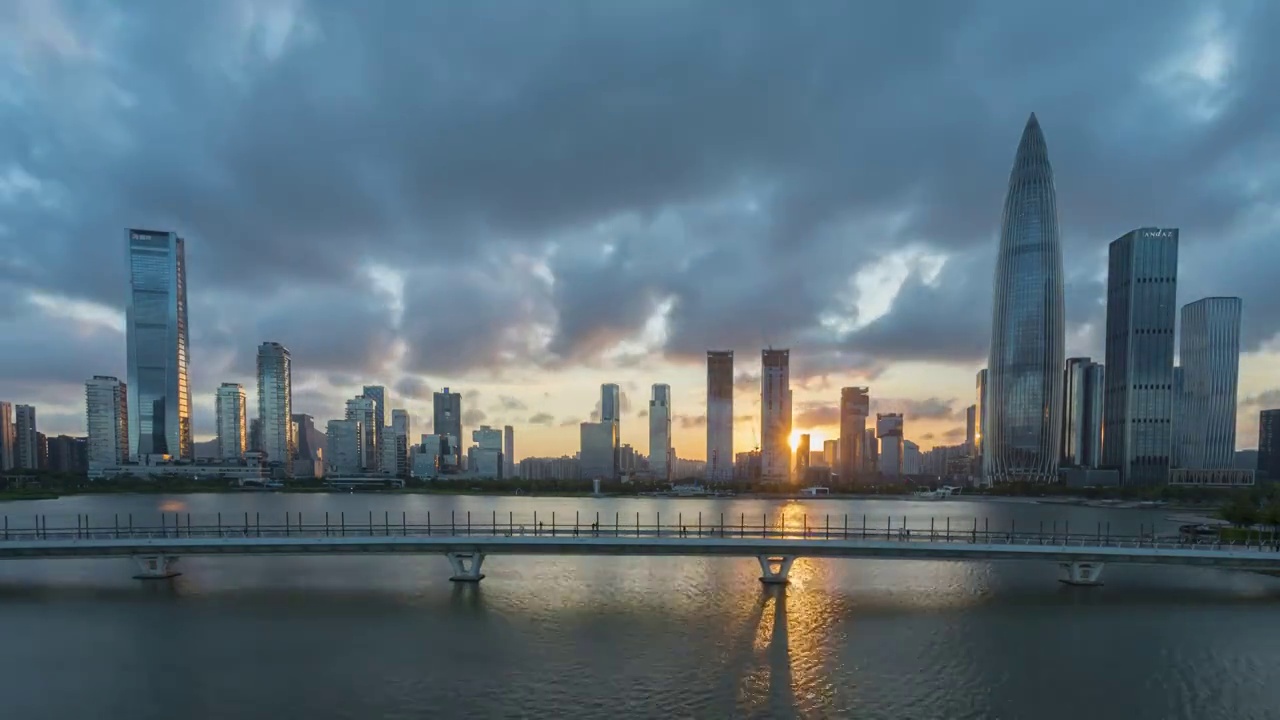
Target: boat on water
x,y
941,493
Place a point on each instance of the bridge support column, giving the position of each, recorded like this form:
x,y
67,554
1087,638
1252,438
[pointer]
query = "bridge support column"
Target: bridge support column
x,y
466,566
775,568
1081,573
155,567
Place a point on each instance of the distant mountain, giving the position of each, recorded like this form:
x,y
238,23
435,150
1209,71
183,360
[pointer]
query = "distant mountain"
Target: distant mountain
x,y
207,449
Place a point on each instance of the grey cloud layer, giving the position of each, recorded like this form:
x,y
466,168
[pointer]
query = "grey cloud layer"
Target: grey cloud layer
x,y
544,182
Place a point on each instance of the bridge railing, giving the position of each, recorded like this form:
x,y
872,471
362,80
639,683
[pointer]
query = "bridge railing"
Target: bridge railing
x,y
459,525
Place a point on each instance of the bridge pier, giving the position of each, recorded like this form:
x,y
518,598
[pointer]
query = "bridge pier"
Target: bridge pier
x,y
775,568
155,567
466,566
1081,573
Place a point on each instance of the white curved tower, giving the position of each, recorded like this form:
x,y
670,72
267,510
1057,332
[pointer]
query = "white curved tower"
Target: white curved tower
x,y
1027,326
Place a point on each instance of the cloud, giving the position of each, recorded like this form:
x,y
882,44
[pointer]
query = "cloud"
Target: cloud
x,y
507,402
572,422
816,414
642,414
473,417
692,421
541,419
927,409
447,197
414,387
1264,400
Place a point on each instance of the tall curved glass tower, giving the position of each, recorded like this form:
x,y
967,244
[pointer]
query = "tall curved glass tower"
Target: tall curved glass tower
x,y
1027,327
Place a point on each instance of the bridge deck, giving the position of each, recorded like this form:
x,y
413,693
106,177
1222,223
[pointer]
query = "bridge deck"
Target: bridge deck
x,y
1127,550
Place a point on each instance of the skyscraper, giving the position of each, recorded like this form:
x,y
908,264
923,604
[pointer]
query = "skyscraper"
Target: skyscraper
x,y
980,429
611,413
344,443
275,405
855,405
1027,327
720,415
831,452
970,429
775,414
871,452
889,434
306,449
364,409
660,432
1269,444
379,395
233,434
802,458
448,415
597,456
1210,356
26,443
1083,383
400,438
8,457
1137,410
107,419
509,450
156,328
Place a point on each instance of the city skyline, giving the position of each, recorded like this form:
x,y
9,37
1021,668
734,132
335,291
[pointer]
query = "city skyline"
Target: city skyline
x,y
868,253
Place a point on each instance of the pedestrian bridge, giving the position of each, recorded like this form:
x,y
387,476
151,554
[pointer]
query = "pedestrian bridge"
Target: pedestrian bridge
x,y
1081,556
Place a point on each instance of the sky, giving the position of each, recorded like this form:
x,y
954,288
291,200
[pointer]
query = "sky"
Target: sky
x,y
521,201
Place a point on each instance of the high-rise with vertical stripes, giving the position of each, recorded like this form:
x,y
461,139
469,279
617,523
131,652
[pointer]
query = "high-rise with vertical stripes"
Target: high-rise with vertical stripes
x,y
1137,403
1209,350
1024,420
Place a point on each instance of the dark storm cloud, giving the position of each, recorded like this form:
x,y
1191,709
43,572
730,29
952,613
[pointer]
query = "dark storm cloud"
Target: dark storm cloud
x,y
414,388
545,181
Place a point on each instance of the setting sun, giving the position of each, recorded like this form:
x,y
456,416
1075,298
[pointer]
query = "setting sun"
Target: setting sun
x,y
815,439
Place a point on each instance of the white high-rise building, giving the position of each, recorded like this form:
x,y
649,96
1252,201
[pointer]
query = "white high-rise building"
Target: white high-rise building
x,y
775,415
1210,354
344,447
720,415
660,458
275,405
107,419
364,409
232,426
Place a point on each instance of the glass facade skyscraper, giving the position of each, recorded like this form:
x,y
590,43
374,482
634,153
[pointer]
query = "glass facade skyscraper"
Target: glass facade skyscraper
x,y
231,411
107,420
275,405
379,395
660,456
156,326
1082,413
1024,421
1137,410
1209,351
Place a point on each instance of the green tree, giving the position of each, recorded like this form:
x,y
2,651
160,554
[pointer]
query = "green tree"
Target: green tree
x,y
1241,511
